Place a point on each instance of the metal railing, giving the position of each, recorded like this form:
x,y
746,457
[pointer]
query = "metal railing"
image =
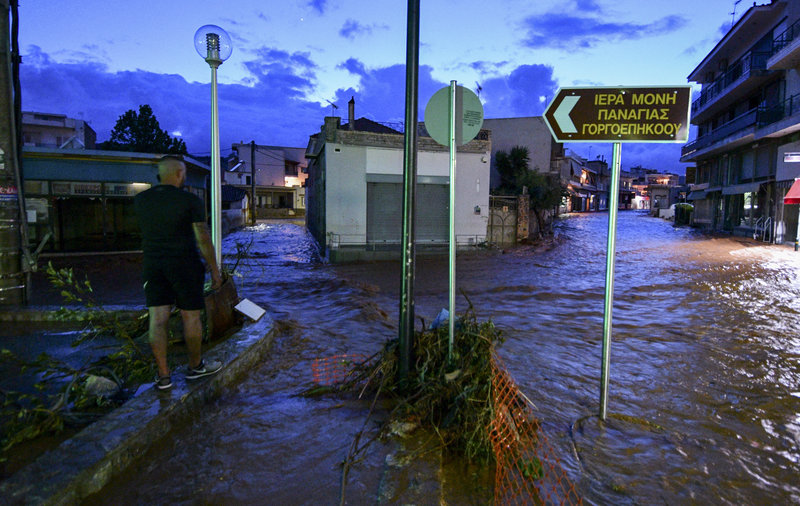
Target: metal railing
x,y
741,69
739,123
771,114
763,229
785,38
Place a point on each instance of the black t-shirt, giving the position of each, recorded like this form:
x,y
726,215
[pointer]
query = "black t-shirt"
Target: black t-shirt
x,y
165,215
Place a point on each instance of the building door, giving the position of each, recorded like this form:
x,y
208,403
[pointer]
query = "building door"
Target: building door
x,y
80,224
385,212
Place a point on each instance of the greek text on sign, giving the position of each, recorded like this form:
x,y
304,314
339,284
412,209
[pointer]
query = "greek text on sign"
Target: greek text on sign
x,y
620,114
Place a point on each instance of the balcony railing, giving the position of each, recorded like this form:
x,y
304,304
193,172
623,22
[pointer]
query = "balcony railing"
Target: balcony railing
x,y
742,69
786,38
739,123
771,114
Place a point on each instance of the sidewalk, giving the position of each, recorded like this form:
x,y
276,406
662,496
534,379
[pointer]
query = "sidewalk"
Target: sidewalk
x,y
85,463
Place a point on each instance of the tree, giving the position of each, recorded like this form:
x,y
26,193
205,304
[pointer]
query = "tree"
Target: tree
x,y
513,167
546,194
141,132
516,177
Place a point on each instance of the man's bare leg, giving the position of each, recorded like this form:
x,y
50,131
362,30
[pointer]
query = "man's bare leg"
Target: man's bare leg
x,y
159,318
193,334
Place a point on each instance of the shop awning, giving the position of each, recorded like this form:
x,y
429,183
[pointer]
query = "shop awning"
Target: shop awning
x,y
793,195
697,195
738,189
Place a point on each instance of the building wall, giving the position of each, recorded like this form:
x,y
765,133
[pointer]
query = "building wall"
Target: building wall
x,y
56,131
270,162
529,132
349,168
748,122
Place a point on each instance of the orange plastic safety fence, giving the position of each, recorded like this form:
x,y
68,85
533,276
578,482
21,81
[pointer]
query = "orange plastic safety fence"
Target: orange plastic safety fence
x,y
528,469
330,371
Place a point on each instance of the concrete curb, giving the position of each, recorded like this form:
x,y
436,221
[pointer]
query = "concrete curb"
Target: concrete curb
x,y
50,313
85,463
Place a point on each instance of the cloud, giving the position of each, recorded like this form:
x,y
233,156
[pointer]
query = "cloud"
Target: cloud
x,y
487,67
289,74
563,31
354,66
518,94
380,92
588,6
319,5
352,29
273,110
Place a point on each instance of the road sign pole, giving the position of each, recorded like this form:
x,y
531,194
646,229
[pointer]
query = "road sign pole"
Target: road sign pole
x,y
613,206
452,256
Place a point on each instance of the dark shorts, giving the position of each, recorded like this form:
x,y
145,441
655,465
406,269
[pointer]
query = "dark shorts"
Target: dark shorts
x,y
176,281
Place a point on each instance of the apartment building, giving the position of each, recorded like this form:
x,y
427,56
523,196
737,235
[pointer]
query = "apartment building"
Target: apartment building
x,y
748,122
280,174
47,130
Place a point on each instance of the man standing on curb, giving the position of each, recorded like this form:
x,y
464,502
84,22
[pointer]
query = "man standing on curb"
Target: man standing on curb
x,y
173,228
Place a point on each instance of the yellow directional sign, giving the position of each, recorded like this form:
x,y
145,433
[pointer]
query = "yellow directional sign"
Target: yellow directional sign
x,y
620,114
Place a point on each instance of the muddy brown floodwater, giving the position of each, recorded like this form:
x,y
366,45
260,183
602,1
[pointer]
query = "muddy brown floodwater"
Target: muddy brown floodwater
x,y
704,397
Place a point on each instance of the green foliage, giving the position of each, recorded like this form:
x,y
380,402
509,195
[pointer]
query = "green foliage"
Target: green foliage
x,y
513,168
451,396
516,177
140,132
61,396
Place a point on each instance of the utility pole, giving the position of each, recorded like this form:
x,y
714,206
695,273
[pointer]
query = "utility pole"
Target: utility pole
x,y
406,331
12,279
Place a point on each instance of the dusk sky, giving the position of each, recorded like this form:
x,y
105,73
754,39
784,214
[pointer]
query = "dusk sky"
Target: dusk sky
x,y
96,59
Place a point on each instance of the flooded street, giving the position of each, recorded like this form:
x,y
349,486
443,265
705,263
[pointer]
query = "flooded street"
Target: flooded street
x,y
704,398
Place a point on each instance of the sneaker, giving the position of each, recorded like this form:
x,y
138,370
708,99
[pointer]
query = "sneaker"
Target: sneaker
x,y
163,382
204,369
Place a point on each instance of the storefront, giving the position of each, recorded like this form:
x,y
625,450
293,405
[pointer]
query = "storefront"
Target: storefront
x,y
82,200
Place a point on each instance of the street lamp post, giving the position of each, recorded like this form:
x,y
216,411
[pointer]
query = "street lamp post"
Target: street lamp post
x,y
213,44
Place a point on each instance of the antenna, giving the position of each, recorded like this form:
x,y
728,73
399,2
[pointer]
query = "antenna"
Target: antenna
x,y
334,106
733,14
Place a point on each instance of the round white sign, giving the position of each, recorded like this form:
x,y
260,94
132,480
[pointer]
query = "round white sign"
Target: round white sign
x,y
469,116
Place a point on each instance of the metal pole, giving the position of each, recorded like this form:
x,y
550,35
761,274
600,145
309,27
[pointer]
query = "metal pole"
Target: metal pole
x,y
452,255
216,177
252,182
609,298
797,234
12,284
406,331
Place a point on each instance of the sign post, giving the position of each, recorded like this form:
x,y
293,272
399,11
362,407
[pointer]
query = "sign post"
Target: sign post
x,y
618,114
453,116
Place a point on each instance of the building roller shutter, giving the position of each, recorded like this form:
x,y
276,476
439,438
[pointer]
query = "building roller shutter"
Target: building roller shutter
x,y
385,212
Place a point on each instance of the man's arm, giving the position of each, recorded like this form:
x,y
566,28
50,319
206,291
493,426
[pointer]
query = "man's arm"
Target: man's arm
x,y
203,239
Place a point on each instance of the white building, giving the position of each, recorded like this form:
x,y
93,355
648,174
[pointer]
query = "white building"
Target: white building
x,y
280,173
355,190
46,130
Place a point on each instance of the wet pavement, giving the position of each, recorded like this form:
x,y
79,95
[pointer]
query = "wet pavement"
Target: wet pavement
x,y
705,372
